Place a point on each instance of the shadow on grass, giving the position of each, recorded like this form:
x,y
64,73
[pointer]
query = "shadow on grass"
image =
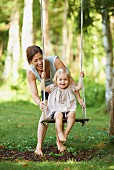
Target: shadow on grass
x,y
50,154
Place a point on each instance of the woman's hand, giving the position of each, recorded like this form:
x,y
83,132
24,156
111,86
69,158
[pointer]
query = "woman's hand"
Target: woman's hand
x,y
82,74
41,105
43,75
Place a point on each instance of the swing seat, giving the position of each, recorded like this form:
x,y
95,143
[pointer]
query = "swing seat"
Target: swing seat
x,y
81,120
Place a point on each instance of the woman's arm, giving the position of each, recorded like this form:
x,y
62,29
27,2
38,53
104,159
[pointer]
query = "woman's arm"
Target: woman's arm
x,y
80,83
33,87
59,64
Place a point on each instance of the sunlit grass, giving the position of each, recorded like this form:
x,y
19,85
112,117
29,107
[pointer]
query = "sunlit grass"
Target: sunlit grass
x,y
70,165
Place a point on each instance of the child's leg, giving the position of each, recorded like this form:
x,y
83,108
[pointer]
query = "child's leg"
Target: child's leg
x,y
59,125
60,145
70,123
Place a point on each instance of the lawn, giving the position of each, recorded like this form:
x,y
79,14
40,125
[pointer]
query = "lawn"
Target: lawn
x,y
88,146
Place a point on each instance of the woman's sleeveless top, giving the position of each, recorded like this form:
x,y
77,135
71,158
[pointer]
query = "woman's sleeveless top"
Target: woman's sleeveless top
x,y
51,60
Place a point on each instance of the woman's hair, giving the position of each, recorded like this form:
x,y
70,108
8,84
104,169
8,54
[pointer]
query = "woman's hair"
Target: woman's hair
x,y
61,71
31,51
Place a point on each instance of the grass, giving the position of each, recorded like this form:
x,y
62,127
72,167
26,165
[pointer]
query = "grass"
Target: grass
x,y
19,131
93,165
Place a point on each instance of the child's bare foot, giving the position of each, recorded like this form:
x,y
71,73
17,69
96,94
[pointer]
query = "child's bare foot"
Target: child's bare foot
x,y
61,137
60,146
38,151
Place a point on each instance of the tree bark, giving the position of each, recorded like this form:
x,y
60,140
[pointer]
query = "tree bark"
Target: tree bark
x,y
64,31
69,45
107,41
13,49
16,49
1,48
45,28
27,29
111,125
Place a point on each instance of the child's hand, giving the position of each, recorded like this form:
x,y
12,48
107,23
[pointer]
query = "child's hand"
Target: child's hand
x,y
82,73
43,75
83,105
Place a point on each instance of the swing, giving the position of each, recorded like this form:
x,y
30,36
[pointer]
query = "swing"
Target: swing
x,y
81,120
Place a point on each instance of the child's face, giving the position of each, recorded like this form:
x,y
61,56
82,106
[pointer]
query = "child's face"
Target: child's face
x,y
62,81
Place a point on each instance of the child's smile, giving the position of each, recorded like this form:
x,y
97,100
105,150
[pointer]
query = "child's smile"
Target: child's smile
x,y
63,81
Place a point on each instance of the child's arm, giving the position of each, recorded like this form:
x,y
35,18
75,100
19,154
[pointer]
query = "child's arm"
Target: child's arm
x,y
42,86
80,83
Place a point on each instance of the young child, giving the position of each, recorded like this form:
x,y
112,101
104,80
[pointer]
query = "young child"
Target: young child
x,y
62,103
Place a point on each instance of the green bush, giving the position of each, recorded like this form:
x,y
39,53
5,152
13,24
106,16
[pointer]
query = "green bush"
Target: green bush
x,y
94,93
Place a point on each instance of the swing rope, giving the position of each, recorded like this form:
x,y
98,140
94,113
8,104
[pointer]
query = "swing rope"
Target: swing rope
x,y
43,54
81,60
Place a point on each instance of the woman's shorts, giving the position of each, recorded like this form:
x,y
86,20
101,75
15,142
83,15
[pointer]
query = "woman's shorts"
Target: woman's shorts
x,y
64,115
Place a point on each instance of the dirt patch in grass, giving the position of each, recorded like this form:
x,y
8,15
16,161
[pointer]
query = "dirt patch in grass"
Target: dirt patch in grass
x,y
50,154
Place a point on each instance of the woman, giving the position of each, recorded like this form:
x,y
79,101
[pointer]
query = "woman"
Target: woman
x,y
52,64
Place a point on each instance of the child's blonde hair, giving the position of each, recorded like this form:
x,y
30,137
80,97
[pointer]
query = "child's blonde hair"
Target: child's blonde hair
x,y
60,71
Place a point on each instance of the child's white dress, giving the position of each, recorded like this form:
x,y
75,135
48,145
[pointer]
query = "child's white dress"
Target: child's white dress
x,y
61,100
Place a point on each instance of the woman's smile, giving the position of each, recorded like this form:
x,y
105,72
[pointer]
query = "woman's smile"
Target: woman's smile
x,y
37,61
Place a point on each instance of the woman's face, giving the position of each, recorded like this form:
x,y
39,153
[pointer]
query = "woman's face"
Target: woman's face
x,y
37,61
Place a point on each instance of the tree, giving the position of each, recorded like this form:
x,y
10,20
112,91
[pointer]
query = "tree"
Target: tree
x,y
107,41
111,108
45,26
65,31
105,9
13,49
5,14
27,29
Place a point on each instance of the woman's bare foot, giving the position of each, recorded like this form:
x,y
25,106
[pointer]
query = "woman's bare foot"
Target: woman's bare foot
x,y
38,151
61,137
60,146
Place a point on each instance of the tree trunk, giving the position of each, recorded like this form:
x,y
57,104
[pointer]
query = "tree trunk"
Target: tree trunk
x,y
77,57
27,29
13,50
8,61
45,29
1,48
107,41
69,45
16,48
64,31
111,125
